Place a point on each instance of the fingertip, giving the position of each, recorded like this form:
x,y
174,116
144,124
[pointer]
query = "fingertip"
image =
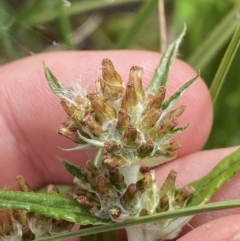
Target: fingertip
x,y
225,228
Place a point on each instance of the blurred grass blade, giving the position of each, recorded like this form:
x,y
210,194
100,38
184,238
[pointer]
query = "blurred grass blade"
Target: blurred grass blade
x,y
6,42
225,65
161,74
133,31
30,8
50,205
189,211
64,23
75,8
215,41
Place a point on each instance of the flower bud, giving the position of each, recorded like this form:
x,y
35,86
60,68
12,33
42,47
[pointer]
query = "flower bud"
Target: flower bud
x,y
92,125
184,195
156,101
6,225
102,185
123,120
136,74
92,168
173,146
144,183
150,120
158,132
111,82
176,112
145,149
88,202
130,193
72,110
52,189
129,100
115,161
143,212
168,186
129,136
103,112
163,204
111,146
89,175
116,178
72,135
23,185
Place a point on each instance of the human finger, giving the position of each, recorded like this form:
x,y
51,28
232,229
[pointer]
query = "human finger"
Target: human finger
x,y
222,229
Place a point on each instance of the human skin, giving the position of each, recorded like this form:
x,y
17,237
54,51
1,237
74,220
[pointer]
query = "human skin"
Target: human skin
x,y
31,114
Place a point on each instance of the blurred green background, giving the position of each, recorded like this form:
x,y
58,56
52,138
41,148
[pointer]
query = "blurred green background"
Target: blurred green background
x,y
32,26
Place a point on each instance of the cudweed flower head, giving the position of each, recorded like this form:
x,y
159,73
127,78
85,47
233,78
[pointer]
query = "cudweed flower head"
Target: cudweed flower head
x,y
132,125
132,129
19,225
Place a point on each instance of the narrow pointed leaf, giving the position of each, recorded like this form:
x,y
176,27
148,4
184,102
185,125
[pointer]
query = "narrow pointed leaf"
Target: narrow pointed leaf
x,y
74,170
209,184
182,212
50,205
225,65
212,44
160,77
78,147
168,104
90,141
58,89
175,131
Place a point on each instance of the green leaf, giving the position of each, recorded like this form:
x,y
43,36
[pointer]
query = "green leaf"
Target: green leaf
x,y
160,77
75,8
209,184
6,43
218,37
182,212
175,131
226,62
65,27
50,205
74,170
58,89
177,95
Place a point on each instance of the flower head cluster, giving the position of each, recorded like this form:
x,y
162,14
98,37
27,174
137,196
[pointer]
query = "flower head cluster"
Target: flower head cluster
x,y
19,225
132,125
132,129
108,194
